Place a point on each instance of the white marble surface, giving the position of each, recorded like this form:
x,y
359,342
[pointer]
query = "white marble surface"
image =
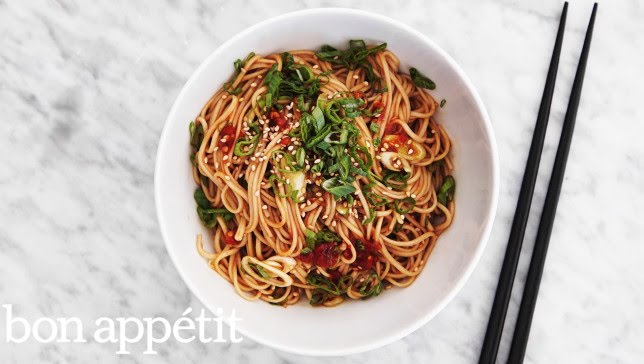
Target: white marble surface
x,y
84,91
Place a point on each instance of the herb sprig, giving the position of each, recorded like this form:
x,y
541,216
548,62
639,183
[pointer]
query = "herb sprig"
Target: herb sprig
x,y
207,214
355,57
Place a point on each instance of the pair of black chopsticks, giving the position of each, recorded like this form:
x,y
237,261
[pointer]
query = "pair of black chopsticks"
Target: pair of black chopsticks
x,y
508,271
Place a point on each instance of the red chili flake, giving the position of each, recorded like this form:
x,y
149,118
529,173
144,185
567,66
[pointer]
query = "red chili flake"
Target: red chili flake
x,y
393,129
227,134
306,257
229,238
400,136
278,119
367,254
285,141
324,255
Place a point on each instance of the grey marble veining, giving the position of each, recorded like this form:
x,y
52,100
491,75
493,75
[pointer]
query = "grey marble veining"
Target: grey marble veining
x,y
84,91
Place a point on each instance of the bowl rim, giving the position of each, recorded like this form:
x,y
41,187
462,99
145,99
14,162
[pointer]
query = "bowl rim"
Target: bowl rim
x,y
490,215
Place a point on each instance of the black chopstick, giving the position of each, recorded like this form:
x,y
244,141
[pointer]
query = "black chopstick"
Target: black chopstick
x,y
513,250
531,290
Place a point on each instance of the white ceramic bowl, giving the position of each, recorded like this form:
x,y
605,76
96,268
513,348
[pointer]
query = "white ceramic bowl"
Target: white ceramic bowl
x,y
357,325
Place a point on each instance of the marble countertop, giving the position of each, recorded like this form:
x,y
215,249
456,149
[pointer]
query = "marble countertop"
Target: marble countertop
x,y
84,92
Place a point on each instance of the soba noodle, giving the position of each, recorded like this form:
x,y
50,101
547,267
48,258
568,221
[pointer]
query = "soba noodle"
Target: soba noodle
x,y
334,203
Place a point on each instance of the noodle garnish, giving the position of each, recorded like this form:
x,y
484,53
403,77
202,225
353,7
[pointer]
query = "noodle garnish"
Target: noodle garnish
x,y
321,174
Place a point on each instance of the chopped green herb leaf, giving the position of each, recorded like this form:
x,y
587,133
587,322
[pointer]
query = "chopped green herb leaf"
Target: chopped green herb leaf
x,y
420,80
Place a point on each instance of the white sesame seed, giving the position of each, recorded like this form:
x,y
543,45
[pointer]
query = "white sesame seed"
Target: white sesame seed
x,y
315,66
264,207
225,157
215,149
410,151
317,161
290,147
227,178
253,167
355,77
253,84
257,193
